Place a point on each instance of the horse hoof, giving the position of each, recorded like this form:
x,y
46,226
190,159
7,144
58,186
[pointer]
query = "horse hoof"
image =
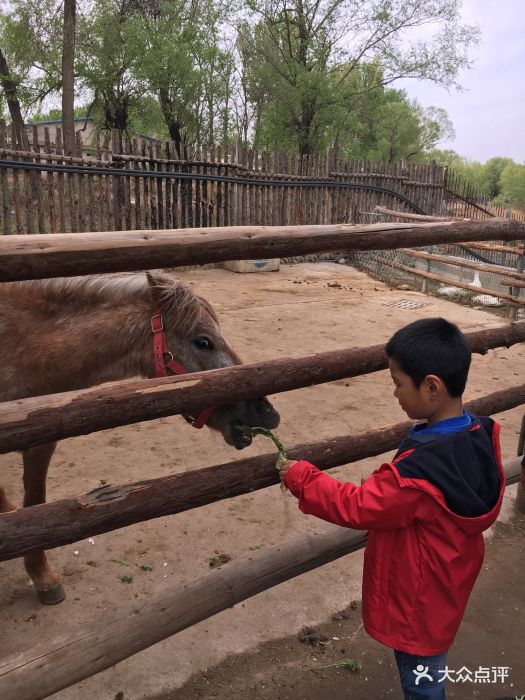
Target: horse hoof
x,y
52,596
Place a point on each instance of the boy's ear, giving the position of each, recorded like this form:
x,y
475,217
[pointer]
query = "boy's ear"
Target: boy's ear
x,y
434,385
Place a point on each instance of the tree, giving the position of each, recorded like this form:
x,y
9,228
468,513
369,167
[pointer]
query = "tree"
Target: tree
x,y
300,46
512,185
184,65
397,133
110,55
492,171
10,87
68,77
31,36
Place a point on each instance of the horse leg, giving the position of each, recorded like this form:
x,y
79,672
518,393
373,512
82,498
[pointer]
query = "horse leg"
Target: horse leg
x,y
47,583
5,504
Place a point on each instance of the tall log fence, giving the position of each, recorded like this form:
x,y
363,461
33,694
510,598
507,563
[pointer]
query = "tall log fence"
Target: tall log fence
x,y
139,183
55,664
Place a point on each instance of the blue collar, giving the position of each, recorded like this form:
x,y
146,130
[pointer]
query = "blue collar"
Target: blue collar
x,y
449,425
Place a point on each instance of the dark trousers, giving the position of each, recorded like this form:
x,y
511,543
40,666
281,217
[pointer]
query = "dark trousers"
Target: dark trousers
x,y
420,676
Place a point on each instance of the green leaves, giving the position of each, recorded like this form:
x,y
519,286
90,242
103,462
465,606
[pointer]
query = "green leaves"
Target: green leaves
x,y
267,433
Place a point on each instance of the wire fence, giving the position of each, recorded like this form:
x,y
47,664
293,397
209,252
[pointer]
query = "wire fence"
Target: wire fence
x,y
482,268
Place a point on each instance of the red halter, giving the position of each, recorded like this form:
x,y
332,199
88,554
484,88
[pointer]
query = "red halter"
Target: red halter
x,y
160,349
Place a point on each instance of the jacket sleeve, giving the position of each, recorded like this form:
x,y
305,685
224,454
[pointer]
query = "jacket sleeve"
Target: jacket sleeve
x,y
379,503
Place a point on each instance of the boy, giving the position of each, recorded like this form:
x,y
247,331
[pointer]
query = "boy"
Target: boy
x,y
425,511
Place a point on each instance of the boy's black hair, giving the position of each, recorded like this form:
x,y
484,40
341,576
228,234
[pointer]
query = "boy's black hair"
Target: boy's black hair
x,y
432,346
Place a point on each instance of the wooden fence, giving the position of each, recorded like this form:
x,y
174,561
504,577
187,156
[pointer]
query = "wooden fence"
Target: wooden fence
x,y
447,268
54,664
140,184
464,201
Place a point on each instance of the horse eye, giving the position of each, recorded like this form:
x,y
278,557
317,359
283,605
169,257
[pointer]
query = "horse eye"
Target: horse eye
x,y
204,343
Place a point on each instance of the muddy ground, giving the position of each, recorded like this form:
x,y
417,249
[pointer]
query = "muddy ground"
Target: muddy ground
x,y
252,650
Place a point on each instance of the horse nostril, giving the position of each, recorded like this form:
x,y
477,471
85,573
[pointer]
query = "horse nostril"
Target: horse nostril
x,y
264,409
264,412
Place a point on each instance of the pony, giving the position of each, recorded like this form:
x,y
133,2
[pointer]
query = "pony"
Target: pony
x,y
66,334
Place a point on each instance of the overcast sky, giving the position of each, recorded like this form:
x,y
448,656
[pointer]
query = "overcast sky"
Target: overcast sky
x,y
489,116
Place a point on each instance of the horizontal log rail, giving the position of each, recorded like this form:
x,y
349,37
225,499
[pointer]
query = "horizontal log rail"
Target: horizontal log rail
x,y
28,422
497,248
51,665
455,283
512,282
54,255
110,507
414,217
39,155
461,262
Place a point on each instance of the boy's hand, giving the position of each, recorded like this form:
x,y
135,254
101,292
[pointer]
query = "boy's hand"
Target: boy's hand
x,y
283,469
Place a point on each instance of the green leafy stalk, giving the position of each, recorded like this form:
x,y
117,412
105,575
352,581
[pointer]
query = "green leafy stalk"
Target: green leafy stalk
x,y
268,433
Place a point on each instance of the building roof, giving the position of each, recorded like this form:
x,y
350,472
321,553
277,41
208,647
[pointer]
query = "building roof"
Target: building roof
x,y
58,121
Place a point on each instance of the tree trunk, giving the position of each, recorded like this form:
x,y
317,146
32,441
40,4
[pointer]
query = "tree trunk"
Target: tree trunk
x,y
174,126
305,129
9,87
68,77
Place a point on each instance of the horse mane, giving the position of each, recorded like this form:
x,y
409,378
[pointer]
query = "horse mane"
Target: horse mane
x,y
77,294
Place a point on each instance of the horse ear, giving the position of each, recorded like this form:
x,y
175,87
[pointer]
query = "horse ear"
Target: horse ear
x,y
153,288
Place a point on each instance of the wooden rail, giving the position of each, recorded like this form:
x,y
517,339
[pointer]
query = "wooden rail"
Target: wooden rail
x,y
455,283
52,665
54,255
413,217
34,421
497,248
461,262
110,507
512,282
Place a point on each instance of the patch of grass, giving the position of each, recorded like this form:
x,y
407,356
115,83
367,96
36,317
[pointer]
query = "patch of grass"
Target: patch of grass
x,y
145,567
348,664
126,579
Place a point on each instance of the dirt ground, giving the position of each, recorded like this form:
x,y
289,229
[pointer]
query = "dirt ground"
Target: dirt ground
x,y
253,649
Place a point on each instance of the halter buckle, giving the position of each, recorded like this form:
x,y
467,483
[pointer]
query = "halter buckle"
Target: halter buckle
x,y
157,323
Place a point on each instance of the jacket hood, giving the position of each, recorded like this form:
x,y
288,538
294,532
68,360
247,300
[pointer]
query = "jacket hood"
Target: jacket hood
x,y
461,470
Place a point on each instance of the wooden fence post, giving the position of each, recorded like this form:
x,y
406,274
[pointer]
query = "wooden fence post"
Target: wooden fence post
x,y
516,290
424,286
117,186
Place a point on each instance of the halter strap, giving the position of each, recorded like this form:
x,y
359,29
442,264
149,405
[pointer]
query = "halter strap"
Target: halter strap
x,y
160,349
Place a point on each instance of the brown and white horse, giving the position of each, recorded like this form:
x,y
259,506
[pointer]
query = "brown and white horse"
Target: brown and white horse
x,y
67,334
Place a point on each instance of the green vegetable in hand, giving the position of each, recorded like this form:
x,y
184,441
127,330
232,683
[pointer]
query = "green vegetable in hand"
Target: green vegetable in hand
x,y
268,433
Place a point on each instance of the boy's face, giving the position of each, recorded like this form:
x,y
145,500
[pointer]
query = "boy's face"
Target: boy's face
x,y
416,402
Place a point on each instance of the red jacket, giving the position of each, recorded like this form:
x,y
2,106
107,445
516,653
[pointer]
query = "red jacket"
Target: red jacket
x,y
425,512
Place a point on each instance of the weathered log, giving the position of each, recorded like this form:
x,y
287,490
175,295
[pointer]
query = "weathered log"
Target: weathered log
x,y
461,262
415,217
455,283
50,666
110,507
34,421
505,282
54,255
498,248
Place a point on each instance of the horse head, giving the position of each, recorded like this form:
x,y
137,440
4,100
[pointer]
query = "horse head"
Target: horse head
x,y
194,340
